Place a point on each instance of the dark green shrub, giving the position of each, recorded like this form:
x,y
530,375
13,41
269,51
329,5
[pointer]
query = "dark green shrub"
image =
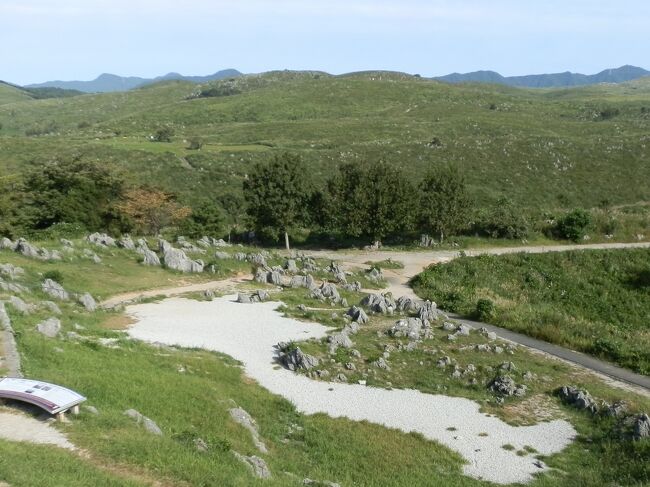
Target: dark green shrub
x,y
163,134
485,310
573,225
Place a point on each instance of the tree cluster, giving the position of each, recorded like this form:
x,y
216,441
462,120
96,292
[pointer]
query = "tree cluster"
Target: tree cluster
x,y
359,201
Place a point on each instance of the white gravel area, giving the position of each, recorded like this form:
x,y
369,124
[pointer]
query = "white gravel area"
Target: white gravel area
x,y
248,332
18,427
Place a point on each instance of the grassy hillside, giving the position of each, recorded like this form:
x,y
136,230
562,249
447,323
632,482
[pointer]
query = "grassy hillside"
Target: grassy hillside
x,y
11,94
594,301
545,148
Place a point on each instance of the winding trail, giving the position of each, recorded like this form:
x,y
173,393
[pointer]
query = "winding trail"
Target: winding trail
x,y
414,263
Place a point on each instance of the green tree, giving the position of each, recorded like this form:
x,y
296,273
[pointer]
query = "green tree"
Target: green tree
x,y
369,201
277,195
206,219
72,191
444,204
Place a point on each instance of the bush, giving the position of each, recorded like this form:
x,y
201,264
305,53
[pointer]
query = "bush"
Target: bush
x,y
573,225
163,134
485,310
54,275
503,221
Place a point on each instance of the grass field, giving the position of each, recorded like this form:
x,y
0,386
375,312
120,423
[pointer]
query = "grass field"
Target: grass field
x,y
594,301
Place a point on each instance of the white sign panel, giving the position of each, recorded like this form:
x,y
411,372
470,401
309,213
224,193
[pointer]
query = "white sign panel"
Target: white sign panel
x,y
50,397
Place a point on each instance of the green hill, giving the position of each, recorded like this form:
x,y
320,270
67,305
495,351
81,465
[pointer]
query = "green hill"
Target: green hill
x,y
541,148
12,94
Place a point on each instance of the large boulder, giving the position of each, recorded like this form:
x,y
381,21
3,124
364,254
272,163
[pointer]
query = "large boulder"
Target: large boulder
x,y
7,244
379,303
430,312
54,289
177,260
329,291
28,250
358,314
303,281
578,398
257,259
408,305
149,257
294,359
50,327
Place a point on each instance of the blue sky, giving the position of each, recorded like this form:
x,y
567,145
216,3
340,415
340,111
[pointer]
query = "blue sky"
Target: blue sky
x,y
79,39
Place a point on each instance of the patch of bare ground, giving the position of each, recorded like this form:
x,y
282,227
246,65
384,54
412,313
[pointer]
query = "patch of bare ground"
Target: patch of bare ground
x,y
118,322
532,410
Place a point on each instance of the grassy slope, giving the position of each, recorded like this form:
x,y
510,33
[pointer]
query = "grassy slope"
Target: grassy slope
x,y
188,393
188,404
541,148
594,301
10,94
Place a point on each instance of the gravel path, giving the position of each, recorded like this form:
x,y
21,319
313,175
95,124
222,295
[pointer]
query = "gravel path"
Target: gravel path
x,y
249,332
18,427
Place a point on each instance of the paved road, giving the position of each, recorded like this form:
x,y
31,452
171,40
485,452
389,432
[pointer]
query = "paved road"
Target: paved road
x,y
415,262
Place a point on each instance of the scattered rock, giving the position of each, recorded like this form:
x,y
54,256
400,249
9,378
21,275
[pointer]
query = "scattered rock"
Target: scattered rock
x,y
410,328
381,363
243,418
148,424
221,255
617,410
51,306
20,305
375,274
88,302
50,327
258,467
101,239
291,267
641,429
91,409
126,243
11,271
506,386
339,340
55,290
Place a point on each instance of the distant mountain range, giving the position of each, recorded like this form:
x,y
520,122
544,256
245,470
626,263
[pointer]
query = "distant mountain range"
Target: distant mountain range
x,y
556,80
111,82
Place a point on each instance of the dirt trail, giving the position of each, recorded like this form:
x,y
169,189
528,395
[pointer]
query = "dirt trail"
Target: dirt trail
x,y
223,285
